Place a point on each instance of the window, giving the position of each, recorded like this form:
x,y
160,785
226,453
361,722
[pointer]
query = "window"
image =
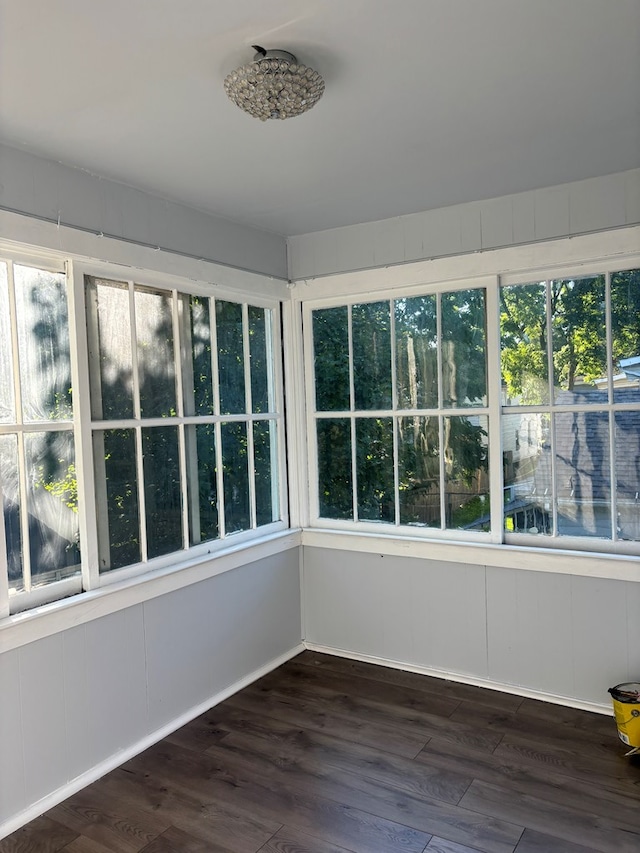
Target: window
x,y
167,441
570,358
401,423
428,405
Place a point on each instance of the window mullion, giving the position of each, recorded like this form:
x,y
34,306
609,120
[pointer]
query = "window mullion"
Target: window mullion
x,y
135,376
179,359
80,366
613,474
494,390
442,473
246,353
216,409
394,421
553,498
352,422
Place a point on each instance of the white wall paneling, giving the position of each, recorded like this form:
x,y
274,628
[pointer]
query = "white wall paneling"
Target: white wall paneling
x,y
560,637
44,189
79,702
581,207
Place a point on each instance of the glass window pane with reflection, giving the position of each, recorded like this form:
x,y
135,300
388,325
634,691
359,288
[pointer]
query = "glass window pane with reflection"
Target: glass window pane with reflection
x,y
198,372
7,407
335,485
10,488
114,454
466,483
52,504
416,353
43,343
583,473
523,344
163,506
230,357
202,485
371,333
331,359
464,357
156,366
374,469
419,471
110,357
625,322
627,438
265,468
235,468
528,481
578,318
260,358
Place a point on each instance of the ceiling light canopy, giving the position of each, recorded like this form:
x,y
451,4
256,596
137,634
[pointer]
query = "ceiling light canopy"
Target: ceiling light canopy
x,y
274,85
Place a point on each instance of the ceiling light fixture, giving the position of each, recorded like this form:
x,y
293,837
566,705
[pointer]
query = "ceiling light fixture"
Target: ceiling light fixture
x,y
274,85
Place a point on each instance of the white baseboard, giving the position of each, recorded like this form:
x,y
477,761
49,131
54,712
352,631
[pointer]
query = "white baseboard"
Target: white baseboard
x,y
115,760
515,689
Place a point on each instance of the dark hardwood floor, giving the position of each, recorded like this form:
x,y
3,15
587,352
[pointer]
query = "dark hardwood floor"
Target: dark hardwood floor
x,y
327,755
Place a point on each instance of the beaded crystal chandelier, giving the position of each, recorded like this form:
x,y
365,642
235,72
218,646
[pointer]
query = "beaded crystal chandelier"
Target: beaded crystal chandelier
x,y
274,85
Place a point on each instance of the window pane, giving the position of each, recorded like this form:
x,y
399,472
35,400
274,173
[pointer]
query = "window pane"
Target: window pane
x,y
528,495
10,487
625,321
579,340
202,483
335,494
374,469
419,471
265,467
114,453
7,410
371,331
230,357
416,353
628,474
259,334
331,354
43,340
235,477
464,356
162,490
110,360
583,474
156,368
52,501
523,344
198,379
466,473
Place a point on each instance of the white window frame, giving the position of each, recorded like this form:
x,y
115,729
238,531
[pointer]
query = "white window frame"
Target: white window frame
x,y
89,580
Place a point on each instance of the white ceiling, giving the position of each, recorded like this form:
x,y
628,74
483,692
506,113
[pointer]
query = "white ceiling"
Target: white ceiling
x,y
428,102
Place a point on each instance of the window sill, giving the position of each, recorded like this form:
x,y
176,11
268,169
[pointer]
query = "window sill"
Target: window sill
x,y
57,616
580,563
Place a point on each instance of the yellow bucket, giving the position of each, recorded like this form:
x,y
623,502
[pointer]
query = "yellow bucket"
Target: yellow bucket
x,y
626,708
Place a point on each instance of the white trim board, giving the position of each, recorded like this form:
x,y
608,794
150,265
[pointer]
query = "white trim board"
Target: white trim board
x,y
99,770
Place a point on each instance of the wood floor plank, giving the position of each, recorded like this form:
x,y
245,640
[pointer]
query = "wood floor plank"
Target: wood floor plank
x,y
198,734
193,812
292,840
416,681
42,835
551,818
418,812
573,792
577,718
323,750
109,820
396,717
82,844
278,796
174,840
441,845
540,842
322,716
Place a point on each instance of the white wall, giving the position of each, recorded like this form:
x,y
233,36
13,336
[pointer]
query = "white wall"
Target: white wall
x,y
41,188
79,702
555,636
581,207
